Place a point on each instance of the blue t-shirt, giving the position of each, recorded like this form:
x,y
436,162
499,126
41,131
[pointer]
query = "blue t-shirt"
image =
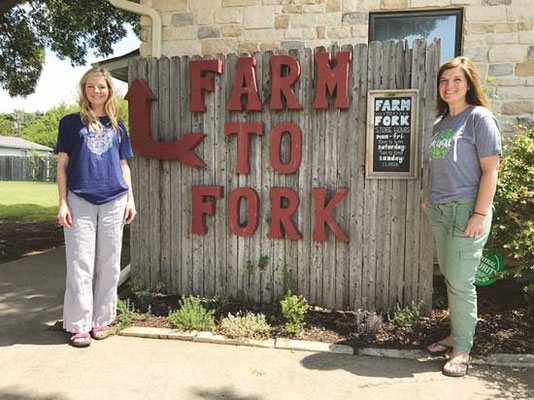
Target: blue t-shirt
x,y
94,170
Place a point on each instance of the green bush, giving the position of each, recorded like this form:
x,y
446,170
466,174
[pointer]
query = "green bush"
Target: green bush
x,y
253,326
409,317
294,310
127,314
513,220
192,315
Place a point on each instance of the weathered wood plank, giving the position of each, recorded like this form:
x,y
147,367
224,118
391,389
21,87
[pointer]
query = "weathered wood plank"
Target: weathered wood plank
x,y
199,241
231,180
306,209
280,268
267,244
343,153
221,222
426,255
187,182
398,210
134,168
291,181
330,166
371,192
176,215
385,196
357,132
318,179
154,179
254,182
165,134
209,178
144,199
414,186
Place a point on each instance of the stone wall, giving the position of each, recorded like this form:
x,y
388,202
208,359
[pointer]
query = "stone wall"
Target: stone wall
x,y
498,35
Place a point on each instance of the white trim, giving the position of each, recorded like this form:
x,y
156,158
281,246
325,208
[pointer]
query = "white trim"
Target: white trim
x,y
150,12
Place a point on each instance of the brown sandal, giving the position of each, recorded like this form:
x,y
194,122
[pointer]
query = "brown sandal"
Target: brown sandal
x,y
456,362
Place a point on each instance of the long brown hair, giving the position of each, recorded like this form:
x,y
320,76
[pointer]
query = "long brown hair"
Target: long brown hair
x,y
474,95
111,108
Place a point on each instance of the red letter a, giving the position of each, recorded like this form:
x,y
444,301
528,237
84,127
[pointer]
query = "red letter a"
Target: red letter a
x,y
246,74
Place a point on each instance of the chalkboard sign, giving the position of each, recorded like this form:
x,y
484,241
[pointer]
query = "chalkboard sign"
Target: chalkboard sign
x,y
392,134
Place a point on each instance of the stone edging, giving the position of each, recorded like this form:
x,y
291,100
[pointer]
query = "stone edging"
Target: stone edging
x,y
504,360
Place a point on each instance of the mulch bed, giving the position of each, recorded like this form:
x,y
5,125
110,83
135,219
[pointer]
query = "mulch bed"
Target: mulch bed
x,y
19,238
504,324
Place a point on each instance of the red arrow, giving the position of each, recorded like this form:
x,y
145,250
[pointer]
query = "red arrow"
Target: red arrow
x,y
139,97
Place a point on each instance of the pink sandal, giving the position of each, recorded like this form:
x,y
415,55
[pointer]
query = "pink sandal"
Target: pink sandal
x,y
438,349
100,333
80,340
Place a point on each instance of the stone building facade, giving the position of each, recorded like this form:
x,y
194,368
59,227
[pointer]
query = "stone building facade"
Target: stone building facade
x,y
497,34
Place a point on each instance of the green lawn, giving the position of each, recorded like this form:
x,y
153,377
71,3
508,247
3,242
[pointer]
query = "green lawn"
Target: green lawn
x,y
35,201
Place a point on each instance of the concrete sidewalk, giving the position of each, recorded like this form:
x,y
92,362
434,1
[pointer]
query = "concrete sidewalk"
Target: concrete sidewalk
x,y
36,363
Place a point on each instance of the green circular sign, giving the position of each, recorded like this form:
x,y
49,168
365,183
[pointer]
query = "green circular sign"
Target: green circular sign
x,y
490,268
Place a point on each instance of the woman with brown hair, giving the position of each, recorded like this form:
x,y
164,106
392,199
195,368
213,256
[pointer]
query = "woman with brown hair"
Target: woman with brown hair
x,y
464,152
95,201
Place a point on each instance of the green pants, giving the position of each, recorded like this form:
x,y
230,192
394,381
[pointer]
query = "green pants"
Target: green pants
x,y
458,257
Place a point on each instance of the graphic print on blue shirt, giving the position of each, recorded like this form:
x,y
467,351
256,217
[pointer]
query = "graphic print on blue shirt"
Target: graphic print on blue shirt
x,y
94,169
99,143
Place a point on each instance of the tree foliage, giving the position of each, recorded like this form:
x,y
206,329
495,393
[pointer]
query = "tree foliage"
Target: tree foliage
x,y
68,27
13,124
7,127
44,129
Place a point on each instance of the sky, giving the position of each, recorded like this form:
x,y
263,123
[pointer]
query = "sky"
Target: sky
x,y
59,81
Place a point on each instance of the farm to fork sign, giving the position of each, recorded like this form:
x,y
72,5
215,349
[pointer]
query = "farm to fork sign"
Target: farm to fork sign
x,y
331,79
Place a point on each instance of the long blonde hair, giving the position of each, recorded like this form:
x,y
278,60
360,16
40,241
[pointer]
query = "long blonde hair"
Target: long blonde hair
x,y
474,95
88,116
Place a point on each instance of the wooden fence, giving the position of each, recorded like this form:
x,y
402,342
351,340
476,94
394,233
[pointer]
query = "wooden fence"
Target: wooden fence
x,y
16,168
388,259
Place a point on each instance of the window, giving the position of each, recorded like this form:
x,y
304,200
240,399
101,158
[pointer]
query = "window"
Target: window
x,y
411,25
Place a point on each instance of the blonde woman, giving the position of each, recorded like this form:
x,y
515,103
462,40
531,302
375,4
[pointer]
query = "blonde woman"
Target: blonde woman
x,y
95,201
465,152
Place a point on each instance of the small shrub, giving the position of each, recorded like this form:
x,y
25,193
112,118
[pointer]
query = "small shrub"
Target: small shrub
x,y
409,317
294,309
192,315
127,314
251,325
368,323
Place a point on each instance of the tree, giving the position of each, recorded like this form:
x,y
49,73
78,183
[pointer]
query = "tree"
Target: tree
x,y
12,124
68,27
44,129
6,125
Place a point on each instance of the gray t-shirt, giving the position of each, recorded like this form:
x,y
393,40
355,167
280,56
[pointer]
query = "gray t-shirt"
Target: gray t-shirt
x,y
458,143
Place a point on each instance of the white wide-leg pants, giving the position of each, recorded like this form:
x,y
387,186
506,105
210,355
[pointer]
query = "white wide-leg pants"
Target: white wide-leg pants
x,y
93,249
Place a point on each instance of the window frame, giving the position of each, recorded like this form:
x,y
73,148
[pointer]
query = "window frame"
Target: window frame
x,y
458,12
